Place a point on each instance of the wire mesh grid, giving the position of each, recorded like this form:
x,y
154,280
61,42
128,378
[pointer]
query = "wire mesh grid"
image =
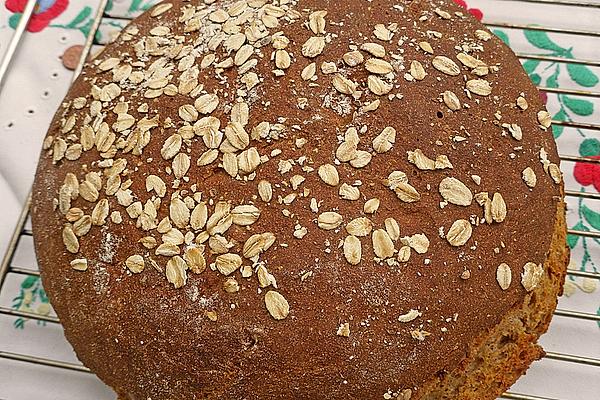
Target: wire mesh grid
x,y
22,230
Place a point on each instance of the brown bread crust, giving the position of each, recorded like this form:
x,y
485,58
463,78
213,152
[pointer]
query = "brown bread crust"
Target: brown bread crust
x,y
146,337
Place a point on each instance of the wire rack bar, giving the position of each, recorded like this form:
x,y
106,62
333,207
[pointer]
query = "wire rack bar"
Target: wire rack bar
x,y
580,125
585,195
571,3
572,92
14,241
527,56
519,396
16,38
576,314
595,362
89,41
583,274
595,235
28,315
542,28
43,361
580,159
24,271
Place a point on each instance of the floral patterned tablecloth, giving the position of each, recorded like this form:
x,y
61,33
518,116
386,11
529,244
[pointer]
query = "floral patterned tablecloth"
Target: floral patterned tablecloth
x,y
38,81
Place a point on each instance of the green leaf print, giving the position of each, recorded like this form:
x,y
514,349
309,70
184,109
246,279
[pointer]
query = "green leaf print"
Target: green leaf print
x,y
578,106
592,217
552,80
13,20
81,17
598,313
541,40
589,147
535,78
573,239
530,65
503,36
557,130
582,75
29,282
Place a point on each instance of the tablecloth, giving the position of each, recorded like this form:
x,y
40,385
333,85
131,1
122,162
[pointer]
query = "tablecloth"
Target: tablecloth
x,y
38,80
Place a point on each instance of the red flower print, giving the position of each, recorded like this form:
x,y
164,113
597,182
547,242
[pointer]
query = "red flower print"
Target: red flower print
x,y
45,11
587,173
476,12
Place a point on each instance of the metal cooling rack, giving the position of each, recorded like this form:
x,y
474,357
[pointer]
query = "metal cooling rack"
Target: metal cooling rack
x,y
21,229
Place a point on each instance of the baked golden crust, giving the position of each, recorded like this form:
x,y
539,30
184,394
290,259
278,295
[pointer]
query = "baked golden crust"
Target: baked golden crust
x,y
275,276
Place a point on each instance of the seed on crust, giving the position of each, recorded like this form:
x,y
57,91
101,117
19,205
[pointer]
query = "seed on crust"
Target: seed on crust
x,y
228,263
382,244
206,103
455,192
352,249
555,173
329,220
371,206
480,87
417,71
385,140
135,263
265,191
258,243
529,177
407,193
353,58
179,213
244,215
361,159
498,208
451,100
544,118
313,46
459,233
378,86
411,315
378,66
309,71
348,192
328,173
392,228
346,151
503,276
418,242
79,264
375,49
316,22
359,226
531,276
445,65
175,272
277,305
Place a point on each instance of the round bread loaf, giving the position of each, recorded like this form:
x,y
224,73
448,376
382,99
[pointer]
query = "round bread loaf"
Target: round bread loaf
x,y
302,199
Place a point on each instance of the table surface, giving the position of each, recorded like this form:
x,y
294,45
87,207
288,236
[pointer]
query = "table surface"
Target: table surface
x,y
34,89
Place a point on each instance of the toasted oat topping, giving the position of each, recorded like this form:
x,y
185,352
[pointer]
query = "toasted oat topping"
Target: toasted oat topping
x,y
209,66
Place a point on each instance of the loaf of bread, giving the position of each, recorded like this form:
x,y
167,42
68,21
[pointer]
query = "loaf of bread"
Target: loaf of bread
x,y
302,199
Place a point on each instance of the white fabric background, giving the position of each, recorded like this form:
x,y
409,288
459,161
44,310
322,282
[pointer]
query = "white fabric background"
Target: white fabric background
x,y
37,70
